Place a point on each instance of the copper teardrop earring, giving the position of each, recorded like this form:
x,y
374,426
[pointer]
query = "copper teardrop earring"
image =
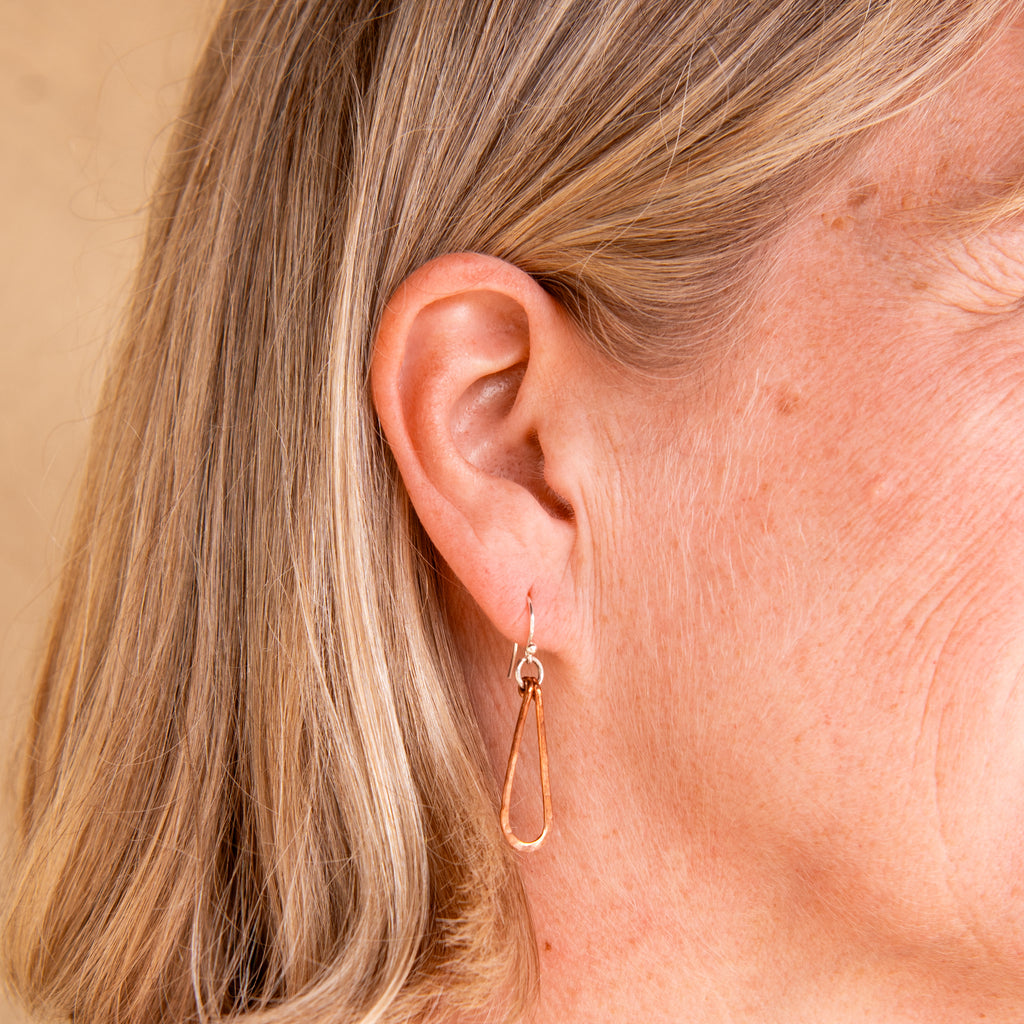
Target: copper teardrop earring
x,y
529,674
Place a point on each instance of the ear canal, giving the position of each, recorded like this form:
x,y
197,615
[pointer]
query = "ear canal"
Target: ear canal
x,y
479,431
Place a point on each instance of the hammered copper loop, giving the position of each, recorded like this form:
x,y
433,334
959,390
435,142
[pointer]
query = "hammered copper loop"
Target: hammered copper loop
x,y
530,688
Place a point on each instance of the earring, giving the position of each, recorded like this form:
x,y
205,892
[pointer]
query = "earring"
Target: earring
x,y
529,687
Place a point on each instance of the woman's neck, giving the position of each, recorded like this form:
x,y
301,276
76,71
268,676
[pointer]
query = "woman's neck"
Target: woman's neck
x,y
655,899
630,930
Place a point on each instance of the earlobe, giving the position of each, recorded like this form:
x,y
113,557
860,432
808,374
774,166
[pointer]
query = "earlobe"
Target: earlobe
x,y
467,353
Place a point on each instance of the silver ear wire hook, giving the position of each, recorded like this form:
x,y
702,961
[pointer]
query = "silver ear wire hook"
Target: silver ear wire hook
x,y
529,657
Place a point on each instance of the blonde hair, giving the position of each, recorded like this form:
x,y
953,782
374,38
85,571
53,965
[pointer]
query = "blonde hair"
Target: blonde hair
x,y
253,786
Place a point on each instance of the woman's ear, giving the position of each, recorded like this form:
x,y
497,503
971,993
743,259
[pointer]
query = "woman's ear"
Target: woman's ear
x,y
470,364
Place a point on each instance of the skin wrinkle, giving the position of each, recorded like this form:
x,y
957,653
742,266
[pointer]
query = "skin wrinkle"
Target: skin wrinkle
x,y
976,270
966,617
953,589
964,915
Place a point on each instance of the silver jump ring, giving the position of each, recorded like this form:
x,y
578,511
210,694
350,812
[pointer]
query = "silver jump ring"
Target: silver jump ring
x,y
529,659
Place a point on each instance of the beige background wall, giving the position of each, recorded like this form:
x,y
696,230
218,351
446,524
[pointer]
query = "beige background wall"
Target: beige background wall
x,y
87,90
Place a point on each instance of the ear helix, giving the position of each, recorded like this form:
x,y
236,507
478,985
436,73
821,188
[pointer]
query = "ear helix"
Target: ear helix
x,y
529,674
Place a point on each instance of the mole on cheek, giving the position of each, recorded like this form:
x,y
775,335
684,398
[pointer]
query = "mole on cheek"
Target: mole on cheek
x,y
841,223
861,195
852,208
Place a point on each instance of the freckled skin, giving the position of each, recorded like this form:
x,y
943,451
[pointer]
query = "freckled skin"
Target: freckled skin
x,y
822,573
898,498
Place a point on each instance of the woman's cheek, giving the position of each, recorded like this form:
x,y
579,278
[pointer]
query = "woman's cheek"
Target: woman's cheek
x,y
931,626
